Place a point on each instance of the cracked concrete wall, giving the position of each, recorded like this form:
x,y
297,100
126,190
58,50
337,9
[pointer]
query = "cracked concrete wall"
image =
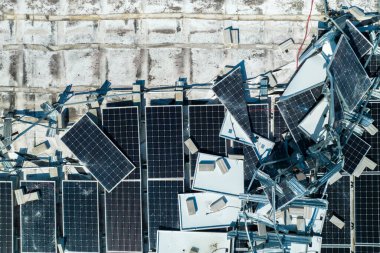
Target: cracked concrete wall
x,y
47,44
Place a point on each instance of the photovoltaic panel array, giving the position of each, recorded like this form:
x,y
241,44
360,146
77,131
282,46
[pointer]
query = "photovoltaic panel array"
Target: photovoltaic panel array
x,y
164,141
6,217
205,122
367,249
358,41
163,207
350,78
354,151
80,216
336,250
230,92
38,218
97,152
123,218
367,209
294,109
121,124
374,140
338,196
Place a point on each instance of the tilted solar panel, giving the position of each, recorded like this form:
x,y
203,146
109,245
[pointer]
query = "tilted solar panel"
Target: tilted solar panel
x,y
97,152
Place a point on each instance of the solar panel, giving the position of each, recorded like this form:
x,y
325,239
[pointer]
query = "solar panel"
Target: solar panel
x,y
6,217
350,78
121,124
279,124
123,218
358,41
336,250
367,209
97,152
294,109
338,196
164,141
163,207
230,92
80,211
354,151
367,249
373,67
205,122
374,140
38,218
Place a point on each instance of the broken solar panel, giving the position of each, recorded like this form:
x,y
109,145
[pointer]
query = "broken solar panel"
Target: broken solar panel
x,y
80,211
338,196
350,78
230,92
294,109
6,217
124,218
97,152
374,140
205,122
163,206
357,40
354,151
38,218
367,209
164,141
121,124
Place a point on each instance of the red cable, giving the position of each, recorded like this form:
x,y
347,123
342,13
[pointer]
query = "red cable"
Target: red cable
x,y
306,32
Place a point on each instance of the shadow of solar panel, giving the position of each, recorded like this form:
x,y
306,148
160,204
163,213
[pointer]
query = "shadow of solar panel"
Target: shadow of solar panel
x,y
230,92
123,218
164,135
163,207
338,196
122,126
374,140
350,78
38,218
97,152
354,151
80,212
367,211
205,122
294,109
358,41
6,217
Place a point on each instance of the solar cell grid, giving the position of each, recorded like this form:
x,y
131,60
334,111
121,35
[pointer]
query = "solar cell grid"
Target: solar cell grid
x,y
122,126
338,196
230,92
80,216
367,209
38,218
123,218
350,78
164,141
6,217
354,151
97,152
163,206
205,122
374,140
358,41
294,109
